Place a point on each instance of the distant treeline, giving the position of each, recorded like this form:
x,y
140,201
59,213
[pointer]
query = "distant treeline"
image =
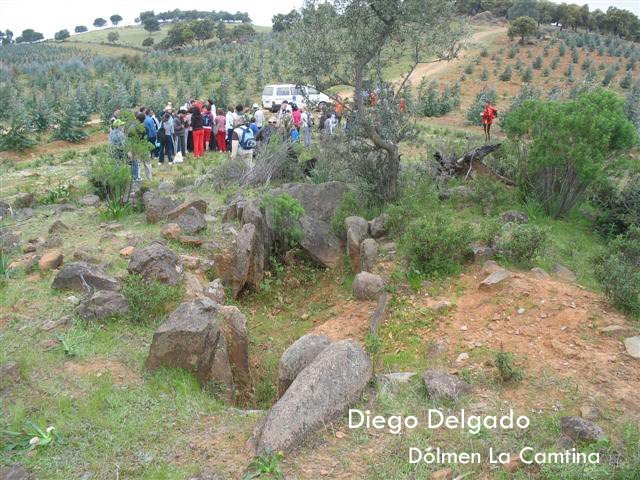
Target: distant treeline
x,y
614,21
179,15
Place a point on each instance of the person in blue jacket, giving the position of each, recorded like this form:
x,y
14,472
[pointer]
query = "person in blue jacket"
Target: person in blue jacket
x,y
152,131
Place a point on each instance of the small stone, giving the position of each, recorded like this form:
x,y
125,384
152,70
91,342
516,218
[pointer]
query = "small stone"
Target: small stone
x,y
90,200
540,273
190,241
444,474
127,251
513,464
463,357
367,286
441,306
632,344
495,278
50,259
463,328
589,412
521,311
581,430
58,227
9,374
189,262
614,330
171,231
563,273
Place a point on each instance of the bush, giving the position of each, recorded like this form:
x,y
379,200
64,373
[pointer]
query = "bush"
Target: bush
x,y
149,302
284,211
564,147
505,76
433,103
351,205
618,271
147,42
111,179
520,243
508,371
613,210
473,115
435,246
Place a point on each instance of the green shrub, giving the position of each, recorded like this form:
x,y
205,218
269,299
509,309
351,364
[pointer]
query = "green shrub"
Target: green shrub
x,y
149,302
350,205
537,63
618,271
473,115
70,126
111,180
564,147
434,103
508,371
284,212
612,209
520,243
435,246
505,76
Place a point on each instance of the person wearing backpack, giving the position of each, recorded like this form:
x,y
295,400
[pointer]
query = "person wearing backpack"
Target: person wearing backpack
x,y
165,137
243,143
198,131
207,125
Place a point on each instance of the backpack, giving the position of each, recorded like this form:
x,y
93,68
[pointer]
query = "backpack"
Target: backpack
x,y
161,136
247,141
206,120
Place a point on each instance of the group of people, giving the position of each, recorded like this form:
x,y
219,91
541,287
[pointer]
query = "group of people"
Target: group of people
x,y
199,126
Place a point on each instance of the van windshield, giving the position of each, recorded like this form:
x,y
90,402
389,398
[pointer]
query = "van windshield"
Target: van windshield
x,y
268,91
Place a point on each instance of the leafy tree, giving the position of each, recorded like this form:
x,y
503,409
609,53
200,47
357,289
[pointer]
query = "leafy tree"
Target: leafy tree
x,y
178,35
151,25
524,8
523,27
70,126
147,42
563,147
242,32
29,35
350,42
202,30
145,15
115,20
17,137
283,22
113,37
61,35
99,22
80,29
632,105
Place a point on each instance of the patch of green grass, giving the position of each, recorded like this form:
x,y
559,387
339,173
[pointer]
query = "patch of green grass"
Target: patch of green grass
x,y
149,302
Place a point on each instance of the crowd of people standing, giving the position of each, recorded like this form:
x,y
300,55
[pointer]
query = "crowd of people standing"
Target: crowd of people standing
x,y
197,127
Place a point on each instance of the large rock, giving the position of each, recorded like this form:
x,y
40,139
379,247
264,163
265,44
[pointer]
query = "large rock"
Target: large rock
x,y
14,472
441,385
237,336
75,275
5,210
367,286
357,230
58,227
171,231
192,286
24,200
581,430
563,273
90,201
204,338
156,262
157,207
296,358
377,227
50,259
215,291
191,221
513,216
8,239
103,304
320,201
320,393
495,278
632,344
319,242
249,260
181,209
368,254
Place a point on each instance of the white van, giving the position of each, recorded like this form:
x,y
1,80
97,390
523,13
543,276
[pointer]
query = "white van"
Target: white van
x,y
274,95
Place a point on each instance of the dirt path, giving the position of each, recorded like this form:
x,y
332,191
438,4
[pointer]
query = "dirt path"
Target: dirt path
x,y
430,69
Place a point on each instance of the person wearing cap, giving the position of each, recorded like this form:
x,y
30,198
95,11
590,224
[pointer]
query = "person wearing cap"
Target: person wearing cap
x,y
259,115
264,135
246,155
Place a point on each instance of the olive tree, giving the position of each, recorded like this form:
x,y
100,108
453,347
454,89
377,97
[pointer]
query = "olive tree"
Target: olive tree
x,y
523,27
353,42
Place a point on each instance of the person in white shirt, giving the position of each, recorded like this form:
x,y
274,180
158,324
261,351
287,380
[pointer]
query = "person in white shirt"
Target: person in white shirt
x,y
258,115
228,125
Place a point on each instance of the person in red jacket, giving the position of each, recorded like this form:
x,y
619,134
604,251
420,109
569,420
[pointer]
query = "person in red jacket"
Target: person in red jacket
x,y
488,115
